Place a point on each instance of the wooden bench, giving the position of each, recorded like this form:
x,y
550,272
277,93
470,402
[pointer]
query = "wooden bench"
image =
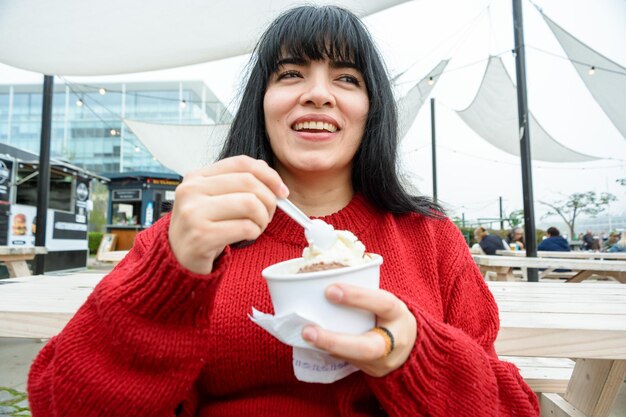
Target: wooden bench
x,y
502,267
544,375
112,256
616,256
585,321
15,258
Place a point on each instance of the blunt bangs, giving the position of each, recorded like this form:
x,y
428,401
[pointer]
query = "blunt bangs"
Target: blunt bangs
x,y
313,34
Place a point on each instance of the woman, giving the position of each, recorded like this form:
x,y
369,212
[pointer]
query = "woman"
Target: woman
x,y
620,246
167,333
515,238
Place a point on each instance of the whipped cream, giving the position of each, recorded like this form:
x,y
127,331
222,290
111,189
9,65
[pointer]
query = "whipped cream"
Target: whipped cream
x,y
348,251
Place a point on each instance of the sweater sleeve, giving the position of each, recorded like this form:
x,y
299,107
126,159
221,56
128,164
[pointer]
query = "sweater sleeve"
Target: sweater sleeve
x,y
453,369
137,345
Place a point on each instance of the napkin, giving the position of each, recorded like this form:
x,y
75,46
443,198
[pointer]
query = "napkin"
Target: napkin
x,y
309,363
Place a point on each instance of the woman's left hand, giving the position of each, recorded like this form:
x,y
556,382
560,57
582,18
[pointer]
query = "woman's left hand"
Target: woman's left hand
x,y
367,351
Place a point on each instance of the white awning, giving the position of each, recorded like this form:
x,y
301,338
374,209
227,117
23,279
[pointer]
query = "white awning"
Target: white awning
x,y
181,148
410,104
607,84
493,116
98,37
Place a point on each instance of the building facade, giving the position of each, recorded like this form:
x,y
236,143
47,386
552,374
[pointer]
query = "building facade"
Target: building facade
x,y
87,121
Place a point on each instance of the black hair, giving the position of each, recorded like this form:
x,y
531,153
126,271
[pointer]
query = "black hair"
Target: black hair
x,y
553,231
330,32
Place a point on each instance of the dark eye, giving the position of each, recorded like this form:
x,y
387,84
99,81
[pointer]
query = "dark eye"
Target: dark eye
x,y
289,74
350,79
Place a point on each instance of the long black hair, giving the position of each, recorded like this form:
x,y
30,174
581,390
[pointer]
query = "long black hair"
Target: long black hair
x,y
329,32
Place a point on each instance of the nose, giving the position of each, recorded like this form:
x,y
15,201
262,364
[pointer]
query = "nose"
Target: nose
x,y
318,92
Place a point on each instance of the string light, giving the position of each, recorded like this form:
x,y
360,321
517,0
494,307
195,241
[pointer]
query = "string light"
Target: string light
x,y
102,91
592,70
183,104
137,149
431,81
113,132
79,102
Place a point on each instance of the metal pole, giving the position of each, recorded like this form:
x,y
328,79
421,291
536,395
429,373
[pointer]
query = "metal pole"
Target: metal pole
x,y
43,179
434,148
501,214
524,135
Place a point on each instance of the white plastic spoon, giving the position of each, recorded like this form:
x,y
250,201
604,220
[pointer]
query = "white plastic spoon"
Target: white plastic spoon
x,y
316,231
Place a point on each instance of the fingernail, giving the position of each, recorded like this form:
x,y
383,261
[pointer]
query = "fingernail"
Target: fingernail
x,y
309,334
284,190
334,293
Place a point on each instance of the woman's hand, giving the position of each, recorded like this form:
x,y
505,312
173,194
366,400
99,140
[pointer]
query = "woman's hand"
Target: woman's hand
x,y
227,202
367,351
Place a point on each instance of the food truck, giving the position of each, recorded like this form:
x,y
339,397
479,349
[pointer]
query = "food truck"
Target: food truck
x,y
136,200
67,214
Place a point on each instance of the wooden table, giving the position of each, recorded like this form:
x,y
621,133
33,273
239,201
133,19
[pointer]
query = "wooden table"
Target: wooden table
x,y
503,266
586,321
15,258
112,256
619,256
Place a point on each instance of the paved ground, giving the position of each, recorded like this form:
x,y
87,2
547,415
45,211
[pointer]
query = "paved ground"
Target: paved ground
x,y
16,356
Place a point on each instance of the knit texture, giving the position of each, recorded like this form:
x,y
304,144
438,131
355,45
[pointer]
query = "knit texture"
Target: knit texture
x,y
154,339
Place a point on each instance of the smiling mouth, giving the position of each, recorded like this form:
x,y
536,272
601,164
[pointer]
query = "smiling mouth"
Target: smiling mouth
x,y
314,127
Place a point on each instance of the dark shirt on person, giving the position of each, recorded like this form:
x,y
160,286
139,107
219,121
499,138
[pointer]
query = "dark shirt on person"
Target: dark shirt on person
x,y
491,243
554,243
587,242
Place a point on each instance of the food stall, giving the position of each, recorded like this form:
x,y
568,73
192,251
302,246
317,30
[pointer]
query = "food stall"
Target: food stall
x,y
136,200
68,207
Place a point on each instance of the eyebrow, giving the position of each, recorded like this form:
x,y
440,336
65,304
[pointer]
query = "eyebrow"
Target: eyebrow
x,y
302,61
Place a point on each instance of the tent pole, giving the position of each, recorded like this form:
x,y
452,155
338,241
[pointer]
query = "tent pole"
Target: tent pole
x,y
524,130
43,181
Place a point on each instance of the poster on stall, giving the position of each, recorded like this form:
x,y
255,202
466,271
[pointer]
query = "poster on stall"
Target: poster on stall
x,y
22,220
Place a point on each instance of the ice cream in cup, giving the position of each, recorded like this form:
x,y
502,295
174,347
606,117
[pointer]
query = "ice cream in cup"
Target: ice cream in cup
x,y
298,285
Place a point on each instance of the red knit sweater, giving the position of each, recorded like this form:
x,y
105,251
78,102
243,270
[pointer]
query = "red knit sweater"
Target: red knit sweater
x,y
154,339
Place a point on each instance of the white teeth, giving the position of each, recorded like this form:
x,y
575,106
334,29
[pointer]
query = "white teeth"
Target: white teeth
x,y
315,126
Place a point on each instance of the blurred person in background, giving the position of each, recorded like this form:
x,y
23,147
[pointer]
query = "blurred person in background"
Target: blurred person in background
x,y
554,242
515,239
610,241
620,246
488,243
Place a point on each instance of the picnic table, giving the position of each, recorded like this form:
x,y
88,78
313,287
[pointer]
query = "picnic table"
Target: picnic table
x,y
620,256
502,267
15,258
584,321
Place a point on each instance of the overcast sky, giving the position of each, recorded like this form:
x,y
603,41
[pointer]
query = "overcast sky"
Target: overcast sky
x,y
472,174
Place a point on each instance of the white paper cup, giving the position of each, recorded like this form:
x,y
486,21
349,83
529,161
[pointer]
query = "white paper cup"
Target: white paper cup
x,y
304,293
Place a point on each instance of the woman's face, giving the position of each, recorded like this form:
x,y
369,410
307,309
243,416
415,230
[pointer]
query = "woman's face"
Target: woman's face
x,y
315,114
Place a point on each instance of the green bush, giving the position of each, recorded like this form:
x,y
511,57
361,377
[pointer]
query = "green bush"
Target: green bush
x,y
94,242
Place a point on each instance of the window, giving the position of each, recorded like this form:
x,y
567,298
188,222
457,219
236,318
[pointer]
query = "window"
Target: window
x,y
125,213
60,196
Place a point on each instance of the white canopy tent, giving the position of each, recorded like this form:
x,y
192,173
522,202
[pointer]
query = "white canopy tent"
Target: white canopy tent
x,y
181,148
105,37
605,79
410,104
493,115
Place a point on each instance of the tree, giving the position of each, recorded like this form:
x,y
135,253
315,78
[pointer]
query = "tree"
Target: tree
x,y
579,203
516,218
